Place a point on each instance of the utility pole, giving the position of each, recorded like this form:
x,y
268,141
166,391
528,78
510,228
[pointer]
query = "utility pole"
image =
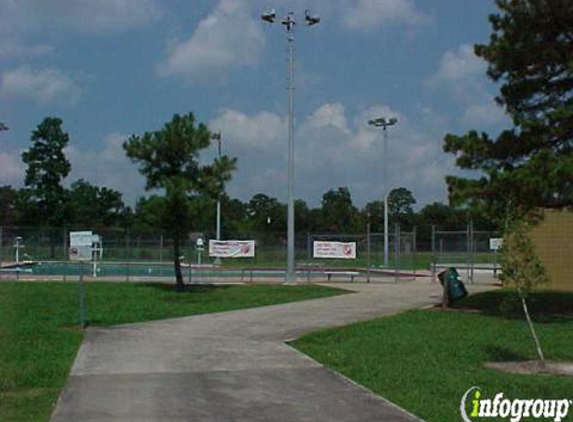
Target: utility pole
x,y
217,136
289,23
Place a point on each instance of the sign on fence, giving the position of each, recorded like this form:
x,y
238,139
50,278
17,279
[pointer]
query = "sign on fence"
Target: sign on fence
x,y
495,243
339,250
232,248
80,246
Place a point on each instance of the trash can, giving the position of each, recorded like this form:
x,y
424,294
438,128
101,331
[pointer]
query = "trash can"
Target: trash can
x,y
456,288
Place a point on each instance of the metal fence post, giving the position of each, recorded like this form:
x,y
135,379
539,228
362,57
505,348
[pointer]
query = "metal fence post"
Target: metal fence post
x,y
433,263
189,279
65,233
495,263
368,249
396,251
472,251
82,296
1,251
308,257
127,255
161,255
468,252
414,253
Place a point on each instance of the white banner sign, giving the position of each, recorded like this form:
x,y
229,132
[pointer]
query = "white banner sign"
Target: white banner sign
x,y
495,243
232,248
80,246
334,250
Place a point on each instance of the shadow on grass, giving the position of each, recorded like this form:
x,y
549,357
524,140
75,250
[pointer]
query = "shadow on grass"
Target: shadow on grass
x,y
195,288
501,354
544,306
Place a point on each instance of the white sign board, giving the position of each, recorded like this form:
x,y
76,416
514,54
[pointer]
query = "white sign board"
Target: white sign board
x,y
232,248
80,246
338,250
495,243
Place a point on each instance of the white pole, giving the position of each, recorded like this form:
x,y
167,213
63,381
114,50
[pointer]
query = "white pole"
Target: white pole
x,y
289,23
217,259
385,187
290,274
219,199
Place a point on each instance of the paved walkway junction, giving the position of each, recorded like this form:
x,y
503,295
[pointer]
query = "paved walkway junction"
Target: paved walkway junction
x,y
232,366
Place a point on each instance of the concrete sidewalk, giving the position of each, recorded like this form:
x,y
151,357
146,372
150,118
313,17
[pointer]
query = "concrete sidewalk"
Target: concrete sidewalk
x,y
232,366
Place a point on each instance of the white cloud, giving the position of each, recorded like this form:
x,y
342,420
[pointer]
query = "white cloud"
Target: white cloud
x,y
229,37
92,16
107,166
486,114
11,168
43,86
368,14
334,148
263,130
232,36
18,50
458,66
329,115
462,75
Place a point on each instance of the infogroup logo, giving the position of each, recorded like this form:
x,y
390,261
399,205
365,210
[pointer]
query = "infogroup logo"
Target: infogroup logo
x,y
515,410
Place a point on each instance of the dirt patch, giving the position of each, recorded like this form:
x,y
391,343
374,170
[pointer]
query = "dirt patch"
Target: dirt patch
x,y
533,367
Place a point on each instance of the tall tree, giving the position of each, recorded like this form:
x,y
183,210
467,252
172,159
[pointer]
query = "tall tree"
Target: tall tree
x,y
400,211
266,214
47,168
339,215
149,212
375,209
530,165
91,205
235,216
8,210
302,216
169,160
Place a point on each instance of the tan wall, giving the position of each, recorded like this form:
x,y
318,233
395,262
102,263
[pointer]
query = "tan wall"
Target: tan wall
x,y
553,239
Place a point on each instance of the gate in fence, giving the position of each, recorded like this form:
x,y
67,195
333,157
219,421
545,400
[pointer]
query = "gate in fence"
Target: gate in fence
x,y
468,250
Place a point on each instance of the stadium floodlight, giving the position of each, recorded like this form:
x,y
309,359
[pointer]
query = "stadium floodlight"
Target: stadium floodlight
x,y
384,124
3,127
269,16
289,23
311,19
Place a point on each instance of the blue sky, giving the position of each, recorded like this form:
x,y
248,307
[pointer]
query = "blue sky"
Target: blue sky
x,y
111,68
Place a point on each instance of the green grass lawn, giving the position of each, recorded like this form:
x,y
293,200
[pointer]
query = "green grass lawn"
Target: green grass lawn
x,y
39,338
425,360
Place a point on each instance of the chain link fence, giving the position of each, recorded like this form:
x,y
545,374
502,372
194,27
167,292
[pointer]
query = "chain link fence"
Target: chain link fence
x,y
468,250
131,255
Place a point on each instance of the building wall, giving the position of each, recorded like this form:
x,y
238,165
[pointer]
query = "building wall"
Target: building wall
x,y
553,239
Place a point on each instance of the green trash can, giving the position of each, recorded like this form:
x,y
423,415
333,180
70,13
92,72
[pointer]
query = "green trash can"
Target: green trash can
x,y
456,288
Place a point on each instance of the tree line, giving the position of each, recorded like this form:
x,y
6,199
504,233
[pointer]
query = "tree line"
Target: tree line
x,y
44,201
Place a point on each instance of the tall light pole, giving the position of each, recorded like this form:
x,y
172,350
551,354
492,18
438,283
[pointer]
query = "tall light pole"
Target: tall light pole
x,y
384,124
217,137
289,23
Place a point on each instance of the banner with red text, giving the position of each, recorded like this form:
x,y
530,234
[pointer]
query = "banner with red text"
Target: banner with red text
x,y
232,248
339,250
